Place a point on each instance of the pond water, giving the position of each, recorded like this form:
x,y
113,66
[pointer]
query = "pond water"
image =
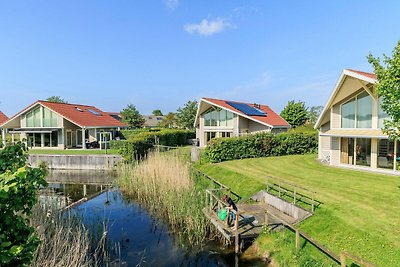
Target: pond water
x,y
136,237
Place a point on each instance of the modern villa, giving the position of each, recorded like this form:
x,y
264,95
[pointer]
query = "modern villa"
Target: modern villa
x,y
350,125
222,118
46,124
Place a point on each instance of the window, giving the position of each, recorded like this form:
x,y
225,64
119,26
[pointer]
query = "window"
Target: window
x,y
220,117
364,110
94,112
382,116
363,151
385,153
49,118
54,138
33,118
348,114
357,112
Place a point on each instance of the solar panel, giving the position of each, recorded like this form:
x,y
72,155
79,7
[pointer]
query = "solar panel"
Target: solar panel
x,y
246,109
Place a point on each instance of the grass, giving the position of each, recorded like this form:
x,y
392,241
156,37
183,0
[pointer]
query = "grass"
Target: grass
x,y
72,151
163,184
360,210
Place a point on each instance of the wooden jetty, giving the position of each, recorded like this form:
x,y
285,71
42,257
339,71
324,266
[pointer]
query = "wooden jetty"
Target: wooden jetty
x,y
251,219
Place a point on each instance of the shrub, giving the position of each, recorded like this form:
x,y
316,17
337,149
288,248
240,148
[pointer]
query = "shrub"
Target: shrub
x,y
261,145
18,189
140,141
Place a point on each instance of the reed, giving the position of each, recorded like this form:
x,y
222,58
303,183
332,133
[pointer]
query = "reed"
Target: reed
x,y
65,240
162,182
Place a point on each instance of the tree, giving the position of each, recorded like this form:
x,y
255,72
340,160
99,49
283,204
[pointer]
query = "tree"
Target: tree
x,y
186,115
314,113
157,112
132,117
295,114
168,121
388,87
56,99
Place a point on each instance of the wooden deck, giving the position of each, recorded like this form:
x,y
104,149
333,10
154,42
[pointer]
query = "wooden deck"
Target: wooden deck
x,y
252,218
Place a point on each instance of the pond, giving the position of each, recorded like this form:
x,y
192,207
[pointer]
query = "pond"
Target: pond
x,y
136,237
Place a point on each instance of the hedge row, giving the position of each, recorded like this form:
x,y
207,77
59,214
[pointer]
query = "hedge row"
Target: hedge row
x,y
137,144
261,145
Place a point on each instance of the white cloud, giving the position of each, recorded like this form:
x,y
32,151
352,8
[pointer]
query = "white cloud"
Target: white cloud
x,y
208,27
172,4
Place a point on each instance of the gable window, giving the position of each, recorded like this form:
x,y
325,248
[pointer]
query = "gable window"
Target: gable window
x,y
219,117
33,118
357,112
49,118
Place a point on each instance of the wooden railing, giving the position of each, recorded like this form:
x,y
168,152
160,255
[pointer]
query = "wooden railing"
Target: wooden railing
x,y
342,259
294,192
215,203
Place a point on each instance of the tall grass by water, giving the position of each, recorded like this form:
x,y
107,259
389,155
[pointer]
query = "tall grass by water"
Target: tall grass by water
x,y
162,182
66,242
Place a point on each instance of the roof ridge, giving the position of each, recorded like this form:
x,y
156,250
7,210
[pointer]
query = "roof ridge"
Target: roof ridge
x,y
71,104
234,101
360,71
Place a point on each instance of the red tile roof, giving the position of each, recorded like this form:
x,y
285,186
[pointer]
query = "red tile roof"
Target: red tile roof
x,y
271,119
81,115
3,118
366,74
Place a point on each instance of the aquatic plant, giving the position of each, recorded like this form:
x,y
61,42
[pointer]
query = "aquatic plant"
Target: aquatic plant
x,y
162,182
65,241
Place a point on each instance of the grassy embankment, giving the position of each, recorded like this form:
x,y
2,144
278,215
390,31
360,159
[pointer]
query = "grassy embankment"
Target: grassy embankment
x,y
73,151
359,214
163,184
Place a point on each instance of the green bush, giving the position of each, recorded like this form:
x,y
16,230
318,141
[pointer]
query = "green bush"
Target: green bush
x,y
261,145
18,194
139,142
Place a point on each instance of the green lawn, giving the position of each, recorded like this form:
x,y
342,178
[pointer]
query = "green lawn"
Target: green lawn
x,y
360,211
73,151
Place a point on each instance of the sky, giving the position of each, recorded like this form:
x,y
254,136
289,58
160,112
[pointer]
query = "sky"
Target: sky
x,y
159,54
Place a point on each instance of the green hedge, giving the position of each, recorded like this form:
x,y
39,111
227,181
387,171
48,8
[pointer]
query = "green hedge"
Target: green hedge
x,y
139,142
261,145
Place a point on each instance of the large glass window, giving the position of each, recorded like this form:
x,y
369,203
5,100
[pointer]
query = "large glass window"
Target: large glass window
x,y
348,114
364,110
221,117
49,118
357,112
54,138
382,116
363,151
37,139
347,150
385,154
33,118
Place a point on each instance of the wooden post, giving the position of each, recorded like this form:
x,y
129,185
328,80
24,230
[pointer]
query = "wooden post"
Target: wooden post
x,y
343,262
297,240
294,195
237,246
312,203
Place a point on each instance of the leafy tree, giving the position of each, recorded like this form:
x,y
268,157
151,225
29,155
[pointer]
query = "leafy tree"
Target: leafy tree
x,y
18,194
132,117
295,114
314,113
157,112
186,115
388,87
169,120
56,99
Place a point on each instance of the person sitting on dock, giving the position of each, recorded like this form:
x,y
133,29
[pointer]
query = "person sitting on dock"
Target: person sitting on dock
x,y
231,206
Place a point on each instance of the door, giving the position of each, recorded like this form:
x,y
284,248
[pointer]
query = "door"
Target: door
x,y
344,150
69,139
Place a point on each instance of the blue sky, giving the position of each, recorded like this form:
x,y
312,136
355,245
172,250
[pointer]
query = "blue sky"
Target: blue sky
x,y
160,54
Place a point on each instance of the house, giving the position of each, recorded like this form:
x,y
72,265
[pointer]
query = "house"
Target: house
x,y
152,121
222,118
350,125
3,117
46,124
